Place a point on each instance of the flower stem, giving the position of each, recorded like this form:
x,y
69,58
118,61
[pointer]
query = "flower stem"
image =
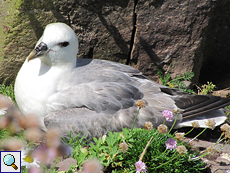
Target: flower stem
x,y
197,135
189,131
173,124
162,154
219,140
223,145
135,120
167,162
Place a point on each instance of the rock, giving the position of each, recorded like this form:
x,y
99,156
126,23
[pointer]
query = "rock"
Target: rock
x,y
222,93
174,28
176,36
223,159
104,28
216,49
218,161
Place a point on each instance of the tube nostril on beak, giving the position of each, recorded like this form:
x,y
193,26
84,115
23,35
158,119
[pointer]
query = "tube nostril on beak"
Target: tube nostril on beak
x,y
40,50
41,47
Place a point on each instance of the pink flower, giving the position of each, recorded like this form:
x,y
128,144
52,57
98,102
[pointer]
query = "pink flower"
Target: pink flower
x,y
123,146
92,166
171,144
45,155
140,167
34,169
168,115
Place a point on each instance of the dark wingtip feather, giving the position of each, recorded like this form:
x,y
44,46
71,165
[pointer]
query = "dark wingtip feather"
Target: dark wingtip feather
x,y
194,105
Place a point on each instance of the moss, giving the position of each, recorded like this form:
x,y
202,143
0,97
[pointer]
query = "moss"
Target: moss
x,y
9,9
23,22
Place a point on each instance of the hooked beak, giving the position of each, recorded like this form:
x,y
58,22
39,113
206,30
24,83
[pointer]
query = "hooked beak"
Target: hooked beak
x,y
40,50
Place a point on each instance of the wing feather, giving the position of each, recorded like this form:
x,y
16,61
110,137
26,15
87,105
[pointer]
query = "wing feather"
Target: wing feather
x,y
101,94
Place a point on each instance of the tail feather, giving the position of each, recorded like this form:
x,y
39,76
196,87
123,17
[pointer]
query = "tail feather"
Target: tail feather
x,y
195,105
218,116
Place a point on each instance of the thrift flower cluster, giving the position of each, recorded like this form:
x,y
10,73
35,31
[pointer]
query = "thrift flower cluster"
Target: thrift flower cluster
x,y
171,144
210,123
140,167
148,125
123,146
179,136
226,130
195,124
163,129
168,115
140,104
181,149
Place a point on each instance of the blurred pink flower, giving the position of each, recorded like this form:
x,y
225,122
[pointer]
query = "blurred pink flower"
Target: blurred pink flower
x,y
168,115
92,166
34,169
171,144
45,155
140,167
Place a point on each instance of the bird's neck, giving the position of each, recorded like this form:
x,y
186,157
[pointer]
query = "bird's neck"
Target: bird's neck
x,y
39,68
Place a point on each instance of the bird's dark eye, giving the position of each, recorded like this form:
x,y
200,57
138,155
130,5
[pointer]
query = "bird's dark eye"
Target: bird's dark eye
x,y
64,44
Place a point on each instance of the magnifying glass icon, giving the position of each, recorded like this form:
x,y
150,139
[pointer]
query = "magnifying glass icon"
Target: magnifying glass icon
x,y
9,160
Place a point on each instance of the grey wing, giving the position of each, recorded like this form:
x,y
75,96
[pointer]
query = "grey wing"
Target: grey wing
x,y
88,122
103,93
107,97
104,86
88,70
100,93
98,85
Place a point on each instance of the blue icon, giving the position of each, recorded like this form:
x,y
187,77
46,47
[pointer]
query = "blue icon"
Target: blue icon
x,y
9,160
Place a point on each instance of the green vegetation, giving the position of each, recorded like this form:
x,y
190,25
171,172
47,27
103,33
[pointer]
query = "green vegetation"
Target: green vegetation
x,y
106,149
207,88
8,91
178,82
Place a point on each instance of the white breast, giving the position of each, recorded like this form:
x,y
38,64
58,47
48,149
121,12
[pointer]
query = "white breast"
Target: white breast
x,y
35,82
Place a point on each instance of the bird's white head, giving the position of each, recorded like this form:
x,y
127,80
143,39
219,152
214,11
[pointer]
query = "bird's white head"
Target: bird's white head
x,y
57,46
